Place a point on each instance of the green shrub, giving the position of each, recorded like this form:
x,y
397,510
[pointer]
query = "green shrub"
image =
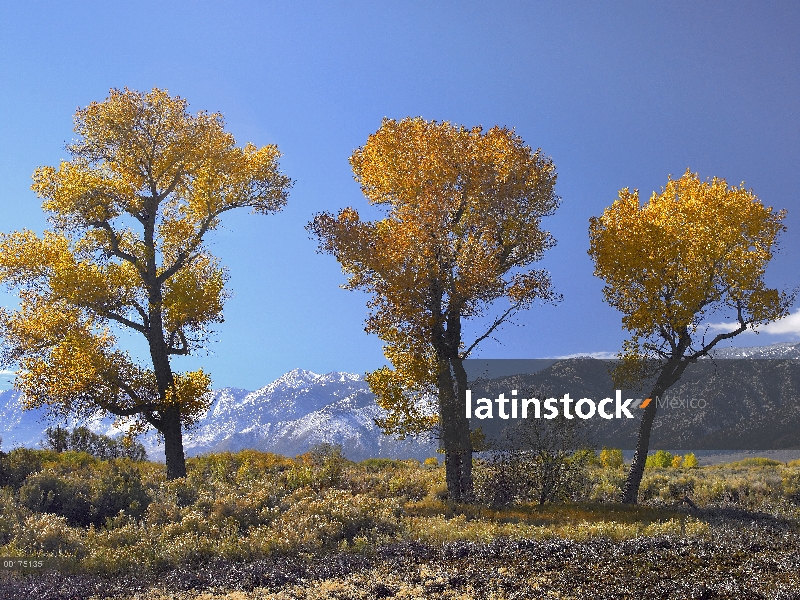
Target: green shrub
x,y
329,462
21,462
119,489
690,461
211,469
325,520
606,485
757,461
376,465
259,507
523,476
408,485
790,482
324,452
298,477
500,480
587,457
48,534
8,518
661,459
680,488
85,498
240,468
160,513
83,439
180,492
651,486
753,490
46,492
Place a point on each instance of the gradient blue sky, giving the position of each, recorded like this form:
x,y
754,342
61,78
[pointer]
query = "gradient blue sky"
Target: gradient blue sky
x,y
619,94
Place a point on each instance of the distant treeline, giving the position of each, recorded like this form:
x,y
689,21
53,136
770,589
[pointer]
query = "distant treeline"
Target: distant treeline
x,y
83,439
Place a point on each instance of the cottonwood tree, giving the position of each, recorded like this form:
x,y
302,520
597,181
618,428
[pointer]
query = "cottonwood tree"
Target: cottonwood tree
x,y
129,213
697,247
463,224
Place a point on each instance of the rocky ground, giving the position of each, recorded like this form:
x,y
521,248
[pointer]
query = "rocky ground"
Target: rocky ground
x,y
746,555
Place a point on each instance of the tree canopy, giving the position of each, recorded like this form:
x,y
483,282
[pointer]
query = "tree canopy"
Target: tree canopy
x,y
695,249
463,224
129,213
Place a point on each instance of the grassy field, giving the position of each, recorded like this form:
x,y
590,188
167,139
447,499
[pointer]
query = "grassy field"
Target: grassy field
x,y
255,525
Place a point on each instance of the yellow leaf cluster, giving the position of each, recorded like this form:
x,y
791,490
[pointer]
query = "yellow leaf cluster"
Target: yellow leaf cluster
x,y
70,364
191,393
195,295
695,247
463,224
407,391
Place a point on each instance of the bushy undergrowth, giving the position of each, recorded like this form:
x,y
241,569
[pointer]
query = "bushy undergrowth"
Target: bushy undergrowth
x,y
106,516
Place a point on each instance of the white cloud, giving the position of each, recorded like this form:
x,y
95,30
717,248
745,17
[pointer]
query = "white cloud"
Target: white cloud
x,y
787,326
719,327
7,372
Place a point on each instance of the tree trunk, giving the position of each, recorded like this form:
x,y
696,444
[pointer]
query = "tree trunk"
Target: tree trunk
x,y
170,419
455,430
462,429
173,444
630,494
670,373
448,431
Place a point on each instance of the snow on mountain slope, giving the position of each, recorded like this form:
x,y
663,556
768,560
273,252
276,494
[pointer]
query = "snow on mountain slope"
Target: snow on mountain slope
x,y
296,411
288,416
780,350
20,427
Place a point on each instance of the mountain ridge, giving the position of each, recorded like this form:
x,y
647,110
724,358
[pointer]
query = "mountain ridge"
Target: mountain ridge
x,y
287,416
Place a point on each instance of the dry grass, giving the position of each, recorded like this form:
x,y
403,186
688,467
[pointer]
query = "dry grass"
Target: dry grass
x,y
300,514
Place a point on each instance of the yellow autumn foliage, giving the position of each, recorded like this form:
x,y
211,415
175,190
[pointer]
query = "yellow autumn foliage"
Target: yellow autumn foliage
x,y
463,224
129,212
695,247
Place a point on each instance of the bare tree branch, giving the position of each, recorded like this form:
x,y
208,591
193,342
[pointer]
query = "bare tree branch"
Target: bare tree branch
x,y
494,326
115,249
723,336
127,322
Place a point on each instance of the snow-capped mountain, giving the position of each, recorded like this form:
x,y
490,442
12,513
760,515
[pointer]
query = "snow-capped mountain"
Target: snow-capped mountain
x,y
296,411
20,427
288,416
780,350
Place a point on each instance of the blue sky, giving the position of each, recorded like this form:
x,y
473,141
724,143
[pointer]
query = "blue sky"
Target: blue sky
x,y
619,95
